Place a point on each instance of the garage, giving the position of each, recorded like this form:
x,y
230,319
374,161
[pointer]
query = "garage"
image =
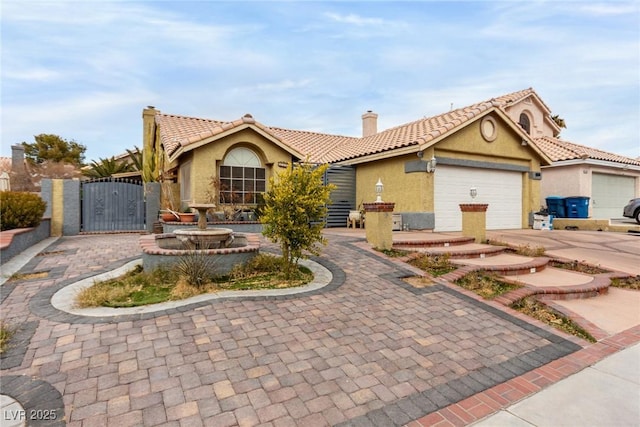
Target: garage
x,y
609,194
501,189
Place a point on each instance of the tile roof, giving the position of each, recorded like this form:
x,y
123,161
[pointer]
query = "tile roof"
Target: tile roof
x,y
559,150
180,131
417,133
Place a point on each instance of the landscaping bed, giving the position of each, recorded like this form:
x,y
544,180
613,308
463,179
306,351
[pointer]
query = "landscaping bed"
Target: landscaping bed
x,y
534,308
434,265
486,284
138,288
577,266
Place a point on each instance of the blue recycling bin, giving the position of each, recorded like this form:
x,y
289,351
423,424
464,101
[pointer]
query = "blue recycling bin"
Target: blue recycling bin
x,y
577,207
556,206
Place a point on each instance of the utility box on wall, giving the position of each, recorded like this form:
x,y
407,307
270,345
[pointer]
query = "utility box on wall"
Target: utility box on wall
x,y
396,222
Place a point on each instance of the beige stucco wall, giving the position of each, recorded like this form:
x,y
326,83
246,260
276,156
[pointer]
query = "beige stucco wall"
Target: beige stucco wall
x,y
539,126
566,181
206,159
577,180
413,192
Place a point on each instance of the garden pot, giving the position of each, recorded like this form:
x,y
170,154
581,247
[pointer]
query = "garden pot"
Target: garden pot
x,y
168,217
187,217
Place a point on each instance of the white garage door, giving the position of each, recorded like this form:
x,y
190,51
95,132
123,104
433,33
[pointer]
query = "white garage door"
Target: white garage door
x,y
502,190
609,194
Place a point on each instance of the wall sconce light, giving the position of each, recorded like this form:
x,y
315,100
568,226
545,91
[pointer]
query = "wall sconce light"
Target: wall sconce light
x,y
473,192
524,142
431,165
379,188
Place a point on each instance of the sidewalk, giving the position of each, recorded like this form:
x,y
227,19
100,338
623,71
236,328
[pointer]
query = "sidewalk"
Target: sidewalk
x,y
605,394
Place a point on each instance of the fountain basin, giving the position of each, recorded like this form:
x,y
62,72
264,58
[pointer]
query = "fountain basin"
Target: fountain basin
x,y
166,250
208,238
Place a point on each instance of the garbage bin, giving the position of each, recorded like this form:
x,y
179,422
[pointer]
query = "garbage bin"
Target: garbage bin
x,y
577,207
556,206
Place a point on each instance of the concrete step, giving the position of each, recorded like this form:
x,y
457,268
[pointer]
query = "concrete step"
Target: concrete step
x,y
507,264
558,284
405,241
464,251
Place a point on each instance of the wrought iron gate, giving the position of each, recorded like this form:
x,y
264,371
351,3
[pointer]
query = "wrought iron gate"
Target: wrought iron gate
x,y
112,204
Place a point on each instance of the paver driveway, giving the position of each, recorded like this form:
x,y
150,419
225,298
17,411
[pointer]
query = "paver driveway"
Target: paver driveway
x,y
366,350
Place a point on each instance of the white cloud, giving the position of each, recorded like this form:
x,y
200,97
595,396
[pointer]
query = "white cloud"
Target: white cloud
x,y
354,19
86,69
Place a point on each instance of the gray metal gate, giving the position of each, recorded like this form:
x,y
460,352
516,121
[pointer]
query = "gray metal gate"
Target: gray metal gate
x,y
343,198
112,204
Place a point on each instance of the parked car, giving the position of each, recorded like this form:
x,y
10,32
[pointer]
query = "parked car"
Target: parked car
x,y
632,210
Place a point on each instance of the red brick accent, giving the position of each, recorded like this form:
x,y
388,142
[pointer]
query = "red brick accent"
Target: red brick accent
x,y
485,403
473,207
7,236
378,207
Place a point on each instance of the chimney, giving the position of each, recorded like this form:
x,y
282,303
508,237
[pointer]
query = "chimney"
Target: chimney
x,y
17,158
369,123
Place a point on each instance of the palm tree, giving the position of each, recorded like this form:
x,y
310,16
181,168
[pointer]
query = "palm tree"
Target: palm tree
x,y
104,168
559,121
135,157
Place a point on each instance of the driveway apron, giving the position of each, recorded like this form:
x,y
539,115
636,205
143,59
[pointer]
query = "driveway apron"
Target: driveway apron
x,y
367,349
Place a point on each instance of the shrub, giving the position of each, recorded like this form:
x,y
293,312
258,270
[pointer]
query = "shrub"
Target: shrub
x,y
294,212
20,210
197,268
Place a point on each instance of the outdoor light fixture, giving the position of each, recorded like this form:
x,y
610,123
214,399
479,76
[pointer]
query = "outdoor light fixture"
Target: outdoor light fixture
x,y
473,192
431,165
379,187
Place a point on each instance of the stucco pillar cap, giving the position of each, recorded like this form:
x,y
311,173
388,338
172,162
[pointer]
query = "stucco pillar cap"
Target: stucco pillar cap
x,y
379,207
474,207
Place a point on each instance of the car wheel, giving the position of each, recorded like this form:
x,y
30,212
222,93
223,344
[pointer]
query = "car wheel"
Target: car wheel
x,y
638,216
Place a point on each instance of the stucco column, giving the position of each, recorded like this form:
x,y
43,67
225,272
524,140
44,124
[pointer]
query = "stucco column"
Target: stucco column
x,y
379,224
474,221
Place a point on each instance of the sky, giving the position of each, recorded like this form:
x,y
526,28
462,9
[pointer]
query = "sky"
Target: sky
x,y
85,70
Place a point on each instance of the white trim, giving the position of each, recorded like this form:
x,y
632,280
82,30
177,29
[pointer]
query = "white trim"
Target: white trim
x,y
593,162
192,146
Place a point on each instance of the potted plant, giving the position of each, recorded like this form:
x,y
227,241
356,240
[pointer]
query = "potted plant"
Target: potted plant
x,y
168,213
186,215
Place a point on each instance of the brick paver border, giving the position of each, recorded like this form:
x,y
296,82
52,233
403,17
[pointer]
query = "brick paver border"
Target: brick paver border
x,y
42,403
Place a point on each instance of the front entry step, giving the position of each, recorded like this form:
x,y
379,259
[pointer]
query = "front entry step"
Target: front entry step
x,y
445,242
464,251
508,264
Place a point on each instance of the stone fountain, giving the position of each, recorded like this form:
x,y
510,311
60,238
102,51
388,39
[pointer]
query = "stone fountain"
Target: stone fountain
x,y
203,237
222,244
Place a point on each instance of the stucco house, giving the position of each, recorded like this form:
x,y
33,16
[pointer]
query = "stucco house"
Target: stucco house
x,y
609,180
428,166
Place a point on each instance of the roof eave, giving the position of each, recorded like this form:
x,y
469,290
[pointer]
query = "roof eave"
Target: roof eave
x,y
594,162
192,146
380,155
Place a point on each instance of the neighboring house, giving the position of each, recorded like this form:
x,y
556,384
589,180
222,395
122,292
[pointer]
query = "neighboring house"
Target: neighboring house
x,y
428,166
609,180
5,169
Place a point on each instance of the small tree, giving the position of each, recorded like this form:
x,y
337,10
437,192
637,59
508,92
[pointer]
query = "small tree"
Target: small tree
x,y
294,212
54,148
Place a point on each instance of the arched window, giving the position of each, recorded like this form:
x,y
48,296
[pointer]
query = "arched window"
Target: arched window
x,y
525,123
242,177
